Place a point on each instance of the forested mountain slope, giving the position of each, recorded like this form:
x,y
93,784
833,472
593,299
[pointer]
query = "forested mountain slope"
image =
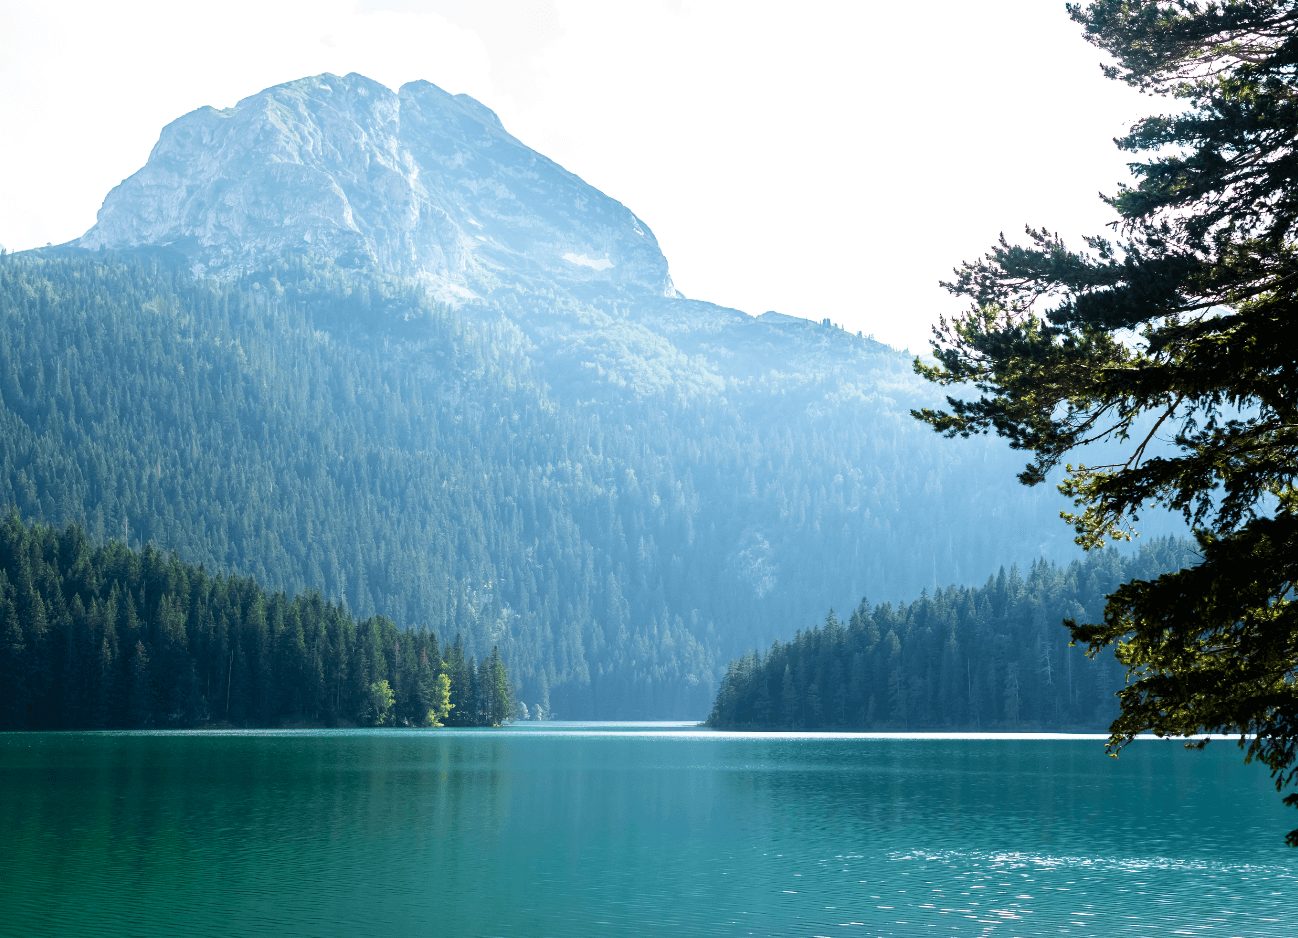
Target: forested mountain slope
x,y
214,421
367,342
962,659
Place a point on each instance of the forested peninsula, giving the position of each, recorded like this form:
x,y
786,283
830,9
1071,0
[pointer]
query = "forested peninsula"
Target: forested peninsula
x,y
962,659
105,637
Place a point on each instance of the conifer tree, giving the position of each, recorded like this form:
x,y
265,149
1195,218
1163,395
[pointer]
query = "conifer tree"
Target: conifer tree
x,y
14,698
788,700
500,706
1181,326
140,709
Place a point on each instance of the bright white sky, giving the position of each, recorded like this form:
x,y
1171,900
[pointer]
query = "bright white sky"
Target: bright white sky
x,y
819,158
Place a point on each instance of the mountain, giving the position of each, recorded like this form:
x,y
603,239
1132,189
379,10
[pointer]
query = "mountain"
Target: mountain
x,y
429,186
367,342
421,183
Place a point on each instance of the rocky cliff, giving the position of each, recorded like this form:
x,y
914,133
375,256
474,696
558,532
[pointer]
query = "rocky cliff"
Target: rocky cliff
x,y
421,183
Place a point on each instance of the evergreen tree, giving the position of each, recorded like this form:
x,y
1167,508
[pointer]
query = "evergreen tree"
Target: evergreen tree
x,y
15,701
500,704
140,709
474,697
789,715
1182,327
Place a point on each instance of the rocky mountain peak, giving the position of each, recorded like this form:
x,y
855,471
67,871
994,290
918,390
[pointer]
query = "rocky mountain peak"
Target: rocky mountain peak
x,y
420,182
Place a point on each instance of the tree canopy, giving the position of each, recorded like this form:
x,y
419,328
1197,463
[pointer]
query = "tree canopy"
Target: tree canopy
x,y
1173,339
960,659
105,636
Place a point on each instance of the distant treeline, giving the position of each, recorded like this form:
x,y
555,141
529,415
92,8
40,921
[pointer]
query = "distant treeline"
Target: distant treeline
x,y
989,658
112,637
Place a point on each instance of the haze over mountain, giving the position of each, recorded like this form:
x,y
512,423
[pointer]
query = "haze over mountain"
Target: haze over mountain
x,y
369,343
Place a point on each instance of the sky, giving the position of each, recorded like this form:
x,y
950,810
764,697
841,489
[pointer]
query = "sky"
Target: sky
x,y
822,159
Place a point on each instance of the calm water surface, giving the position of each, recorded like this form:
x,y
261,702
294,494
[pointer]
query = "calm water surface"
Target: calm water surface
x,y
647,829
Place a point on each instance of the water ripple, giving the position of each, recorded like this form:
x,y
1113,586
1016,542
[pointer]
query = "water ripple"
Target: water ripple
x,y
632,830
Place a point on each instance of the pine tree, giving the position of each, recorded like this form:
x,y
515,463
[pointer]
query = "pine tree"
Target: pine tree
x,y
462,692
789,704
473,702
15,699
500,697
141,704
1181,328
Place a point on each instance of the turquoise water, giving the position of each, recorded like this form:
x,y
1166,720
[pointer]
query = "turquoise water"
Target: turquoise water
x,y
648,829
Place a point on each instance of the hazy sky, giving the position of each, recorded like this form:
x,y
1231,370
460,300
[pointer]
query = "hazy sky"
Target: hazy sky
x,y
820,159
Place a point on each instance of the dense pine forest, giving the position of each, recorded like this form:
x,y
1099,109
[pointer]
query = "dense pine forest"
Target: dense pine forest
x,y
414,472
617,539
112,637
963,659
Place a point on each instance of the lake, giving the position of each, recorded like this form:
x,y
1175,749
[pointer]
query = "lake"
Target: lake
x,y
643,829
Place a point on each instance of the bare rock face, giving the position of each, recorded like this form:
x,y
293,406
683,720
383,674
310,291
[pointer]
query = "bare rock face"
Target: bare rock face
x,y
421,183
429,186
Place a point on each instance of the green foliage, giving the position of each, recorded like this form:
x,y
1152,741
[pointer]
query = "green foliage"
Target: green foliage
x,y
1181,327
1235,666
963,659
439,702
378,708
337,431
498,704
110,637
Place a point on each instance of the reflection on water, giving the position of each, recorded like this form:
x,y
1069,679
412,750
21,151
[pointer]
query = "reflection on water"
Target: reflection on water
x,y
633,830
